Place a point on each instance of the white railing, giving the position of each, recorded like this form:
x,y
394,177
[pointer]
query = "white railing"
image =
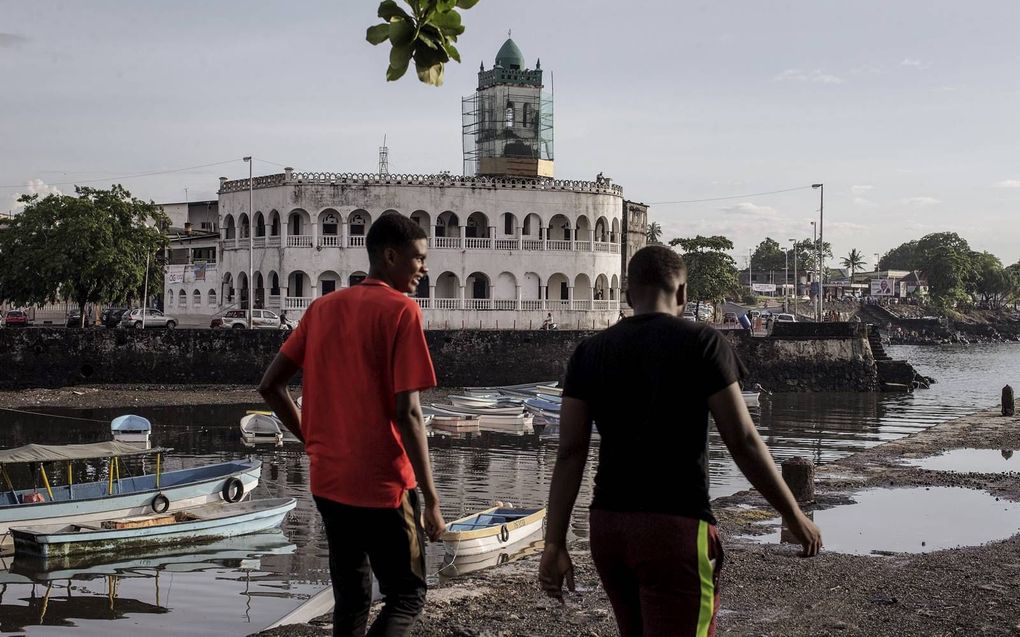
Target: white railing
x,y
582,304
297,302
504,304
603,246
425,304
299,241
329,241
557,244
258,242
557,304
601,305
531,244
475,243
477,304
447,304
356,241
446,242
273,241
506,244
531,304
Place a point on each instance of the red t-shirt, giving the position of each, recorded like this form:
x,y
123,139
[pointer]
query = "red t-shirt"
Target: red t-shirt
x,y
359,347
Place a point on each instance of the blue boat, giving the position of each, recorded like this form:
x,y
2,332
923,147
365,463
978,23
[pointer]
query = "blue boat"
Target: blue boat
x,y
118,496
198,524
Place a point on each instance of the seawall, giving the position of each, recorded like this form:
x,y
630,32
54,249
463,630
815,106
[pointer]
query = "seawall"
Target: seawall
x,y
802,357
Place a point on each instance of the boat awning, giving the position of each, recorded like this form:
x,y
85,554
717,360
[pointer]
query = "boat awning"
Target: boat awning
x,y
56,453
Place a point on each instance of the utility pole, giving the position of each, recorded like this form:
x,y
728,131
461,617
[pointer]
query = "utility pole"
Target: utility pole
x,y
821,240
796,282
251,250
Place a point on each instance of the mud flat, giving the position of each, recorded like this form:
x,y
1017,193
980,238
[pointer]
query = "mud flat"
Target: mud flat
x,y
768,590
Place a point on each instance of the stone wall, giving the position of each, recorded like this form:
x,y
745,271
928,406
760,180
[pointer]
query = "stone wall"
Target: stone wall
x,y
58,357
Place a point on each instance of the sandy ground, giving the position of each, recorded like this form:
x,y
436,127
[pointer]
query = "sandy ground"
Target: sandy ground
x,y
766,589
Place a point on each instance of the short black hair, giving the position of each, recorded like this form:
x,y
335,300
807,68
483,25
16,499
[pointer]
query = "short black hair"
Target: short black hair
x,y
392,230
656,267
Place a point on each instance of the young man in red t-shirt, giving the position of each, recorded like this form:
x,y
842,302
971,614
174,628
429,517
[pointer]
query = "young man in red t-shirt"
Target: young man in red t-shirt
x,y
364,358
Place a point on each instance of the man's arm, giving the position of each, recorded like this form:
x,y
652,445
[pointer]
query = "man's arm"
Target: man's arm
x,y
753,458
273,389
571,458
411,425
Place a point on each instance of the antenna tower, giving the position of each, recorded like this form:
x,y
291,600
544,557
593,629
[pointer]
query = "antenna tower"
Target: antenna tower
x,y
384,158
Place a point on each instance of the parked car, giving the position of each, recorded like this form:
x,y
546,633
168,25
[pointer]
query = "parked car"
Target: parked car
x,y
74,319
785,318
729,318
111,316
238,320
16,318
153,318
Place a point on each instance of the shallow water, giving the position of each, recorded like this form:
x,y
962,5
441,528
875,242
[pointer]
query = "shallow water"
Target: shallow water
x,y
912,520
239,594
970,461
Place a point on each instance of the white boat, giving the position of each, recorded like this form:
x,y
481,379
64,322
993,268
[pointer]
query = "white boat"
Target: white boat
x,y
453,410
460,565
454,425
751,398
117,496
131,429
549,389
518,425
471,401
198,524
490,530
262,428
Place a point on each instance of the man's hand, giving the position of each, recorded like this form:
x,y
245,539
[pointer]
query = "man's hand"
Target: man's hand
x,y
554,568
434,523
806,532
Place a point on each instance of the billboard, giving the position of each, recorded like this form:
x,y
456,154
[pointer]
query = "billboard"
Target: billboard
x,y
763,287
883,287
197,272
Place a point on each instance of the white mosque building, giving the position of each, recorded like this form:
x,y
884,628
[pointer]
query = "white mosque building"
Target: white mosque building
x,y
508,245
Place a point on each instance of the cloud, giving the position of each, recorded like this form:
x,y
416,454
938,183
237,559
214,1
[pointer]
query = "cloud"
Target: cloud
x,y
816,76
914,64
864,202
11,40
749,209
920,202
33,187
861,189
867,69
1008,183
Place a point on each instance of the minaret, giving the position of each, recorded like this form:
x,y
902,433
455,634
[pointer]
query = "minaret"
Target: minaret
x,y
508,121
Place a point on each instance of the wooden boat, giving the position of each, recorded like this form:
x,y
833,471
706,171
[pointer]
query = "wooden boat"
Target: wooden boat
x,y
518,425
261,428
198,524
452,410
453,424
751,398
460,565
117,496
131,429
490,530
471,401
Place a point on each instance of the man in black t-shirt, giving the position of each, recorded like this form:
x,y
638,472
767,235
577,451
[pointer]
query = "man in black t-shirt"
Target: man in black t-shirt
x,y
650,382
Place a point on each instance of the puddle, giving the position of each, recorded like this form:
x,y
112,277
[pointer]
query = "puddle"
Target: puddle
x,y
914,520
970,461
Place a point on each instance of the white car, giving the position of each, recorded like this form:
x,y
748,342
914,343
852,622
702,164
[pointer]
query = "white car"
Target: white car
x,y
261,319
784,318
153,318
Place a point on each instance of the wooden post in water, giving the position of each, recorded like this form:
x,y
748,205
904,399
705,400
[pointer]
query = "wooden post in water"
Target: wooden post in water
x,y
1008,404
799,475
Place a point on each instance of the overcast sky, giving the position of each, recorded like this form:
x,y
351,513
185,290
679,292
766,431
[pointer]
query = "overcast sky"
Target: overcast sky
x,y
907,110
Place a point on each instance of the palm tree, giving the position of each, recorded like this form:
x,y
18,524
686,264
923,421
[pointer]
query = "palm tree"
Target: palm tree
x,y
653,232
854,260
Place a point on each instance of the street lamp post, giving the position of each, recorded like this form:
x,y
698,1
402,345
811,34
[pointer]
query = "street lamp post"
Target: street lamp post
x,y
796,282
251,250
821,239
818,311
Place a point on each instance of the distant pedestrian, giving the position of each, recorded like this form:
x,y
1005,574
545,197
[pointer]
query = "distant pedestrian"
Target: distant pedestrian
x,y
652,534
365,359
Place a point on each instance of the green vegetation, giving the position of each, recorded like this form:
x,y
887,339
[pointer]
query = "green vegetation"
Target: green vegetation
x,y
653,233
425,35
854,261
711,273
91,248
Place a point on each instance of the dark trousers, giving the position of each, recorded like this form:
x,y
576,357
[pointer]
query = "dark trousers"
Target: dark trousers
x,y
387,542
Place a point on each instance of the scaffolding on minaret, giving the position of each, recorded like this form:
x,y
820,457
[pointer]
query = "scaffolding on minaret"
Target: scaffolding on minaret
x,y
384,158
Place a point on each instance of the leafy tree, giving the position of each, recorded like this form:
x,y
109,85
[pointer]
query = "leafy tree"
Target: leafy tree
x,y
711,272
994,284
653,233
945,259
768,256
902,257
807,253
425,35
854,261
90,249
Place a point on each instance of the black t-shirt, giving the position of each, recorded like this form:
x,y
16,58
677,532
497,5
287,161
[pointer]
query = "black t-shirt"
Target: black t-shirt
x,y
646,381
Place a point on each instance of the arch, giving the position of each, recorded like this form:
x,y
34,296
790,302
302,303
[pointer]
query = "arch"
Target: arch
x,y
227,286
448,225
329,281
274,283
422,291
212,297
389,211
356,278
298,284
243,226
260,224
447,286
559,228
260,292
583,228
531,286
614,288
602,289
229,230
358,222
297,222
508,223
615,237
274,223
478,286
582,287
505,286
424,221
477,225
182,299
531,225
242,288
329,222
196,298
170,298
602,229
557,287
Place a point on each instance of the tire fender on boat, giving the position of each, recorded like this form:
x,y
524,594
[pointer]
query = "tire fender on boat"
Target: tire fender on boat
x,y
160,503
233,490
504,533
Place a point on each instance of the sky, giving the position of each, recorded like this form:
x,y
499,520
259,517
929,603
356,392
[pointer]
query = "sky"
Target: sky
x,y
907,111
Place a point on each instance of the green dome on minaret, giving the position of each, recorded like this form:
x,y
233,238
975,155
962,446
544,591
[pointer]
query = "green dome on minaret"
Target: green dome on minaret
x,y
509,56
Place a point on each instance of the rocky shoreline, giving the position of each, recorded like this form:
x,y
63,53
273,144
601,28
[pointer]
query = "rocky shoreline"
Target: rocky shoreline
x,y
767,589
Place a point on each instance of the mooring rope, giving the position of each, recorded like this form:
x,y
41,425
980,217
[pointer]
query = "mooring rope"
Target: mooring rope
x,y
45,415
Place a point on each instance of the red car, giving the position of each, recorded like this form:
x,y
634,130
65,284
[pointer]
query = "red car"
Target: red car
x,y
16,318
